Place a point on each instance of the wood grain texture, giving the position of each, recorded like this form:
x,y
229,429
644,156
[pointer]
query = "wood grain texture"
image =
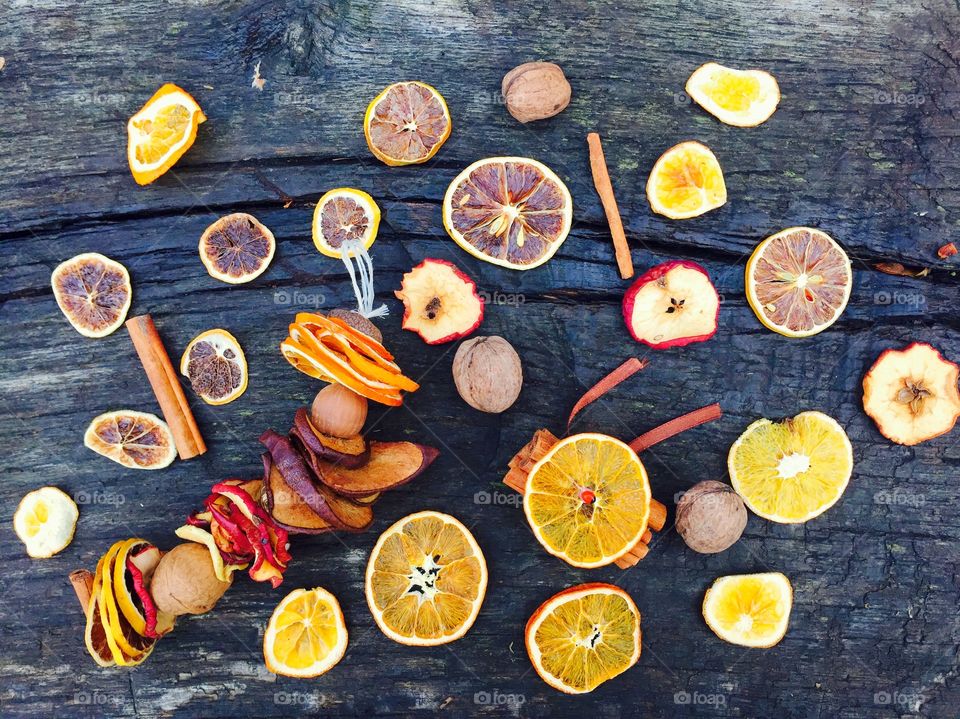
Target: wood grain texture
x,y
864,146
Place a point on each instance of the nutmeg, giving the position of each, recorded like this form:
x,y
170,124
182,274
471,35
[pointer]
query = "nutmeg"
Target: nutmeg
x,y
535,91
488,373
358,322
184,581
710,517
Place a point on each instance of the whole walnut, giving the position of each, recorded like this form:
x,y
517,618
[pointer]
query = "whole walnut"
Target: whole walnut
x,y
710,517
184,581
488,373
535,91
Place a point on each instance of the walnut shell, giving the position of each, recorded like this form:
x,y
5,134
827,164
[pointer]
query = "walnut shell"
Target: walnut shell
x,y
184,581
535,91
488,373
710,517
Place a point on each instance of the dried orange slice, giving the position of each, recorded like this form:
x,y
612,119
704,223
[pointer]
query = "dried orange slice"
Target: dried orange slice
x,y
794,470
344,215
93,292
215,364
161,132
798,281
406,123
583,636
138,440
686,182
306,635
752,610
511,211
588,500
45,521
237,248
426,580
744,98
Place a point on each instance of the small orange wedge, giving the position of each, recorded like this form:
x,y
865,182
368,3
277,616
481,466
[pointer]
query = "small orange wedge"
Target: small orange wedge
x,y
161,132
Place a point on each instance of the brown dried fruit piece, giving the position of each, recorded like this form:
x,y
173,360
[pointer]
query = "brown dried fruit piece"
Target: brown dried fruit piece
x,y
912,394
93,292
348,452
237,248
391,465
184,581
288,508
138,440
535,91
358,322
711,517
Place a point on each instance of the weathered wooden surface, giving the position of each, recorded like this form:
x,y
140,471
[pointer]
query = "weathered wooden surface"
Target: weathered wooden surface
x,y
864,146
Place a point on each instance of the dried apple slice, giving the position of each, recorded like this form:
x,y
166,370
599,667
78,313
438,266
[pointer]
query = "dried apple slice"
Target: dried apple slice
x,y
672,305
132,569
289,510
912,394
297,475
349,452
440,303
391,465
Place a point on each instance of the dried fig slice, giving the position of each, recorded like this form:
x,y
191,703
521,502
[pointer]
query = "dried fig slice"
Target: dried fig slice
x,y
391,465
237,248
298,477
289,510
350,452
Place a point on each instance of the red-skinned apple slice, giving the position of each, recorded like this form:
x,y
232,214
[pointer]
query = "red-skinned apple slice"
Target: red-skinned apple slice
x,y
912,394
289,510
350,452
440,303
671,305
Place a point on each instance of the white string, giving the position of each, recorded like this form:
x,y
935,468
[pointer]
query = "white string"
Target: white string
x,y
363,290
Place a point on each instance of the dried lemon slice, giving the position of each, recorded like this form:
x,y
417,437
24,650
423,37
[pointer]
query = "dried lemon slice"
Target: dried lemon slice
x,y
161,132
406,123
744,98
306,635
583,636
237,248
138,440
686,182
344,215
794,470
426,580
45,521
93,292
215,364
798,281
512,211
752,610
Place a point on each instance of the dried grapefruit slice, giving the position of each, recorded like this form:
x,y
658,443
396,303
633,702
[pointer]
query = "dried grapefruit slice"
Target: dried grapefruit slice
x,y
306,635
93,292
344,215
45,521
744,98
138,440
161,132
237,248
426,580
798,281
406,123
215,364
588,500
686,182
511,211
583,636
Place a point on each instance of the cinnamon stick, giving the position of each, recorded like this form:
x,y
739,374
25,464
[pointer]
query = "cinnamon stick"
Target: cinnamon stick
x,y
601,180
676,426
166,386
82,582
626,370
